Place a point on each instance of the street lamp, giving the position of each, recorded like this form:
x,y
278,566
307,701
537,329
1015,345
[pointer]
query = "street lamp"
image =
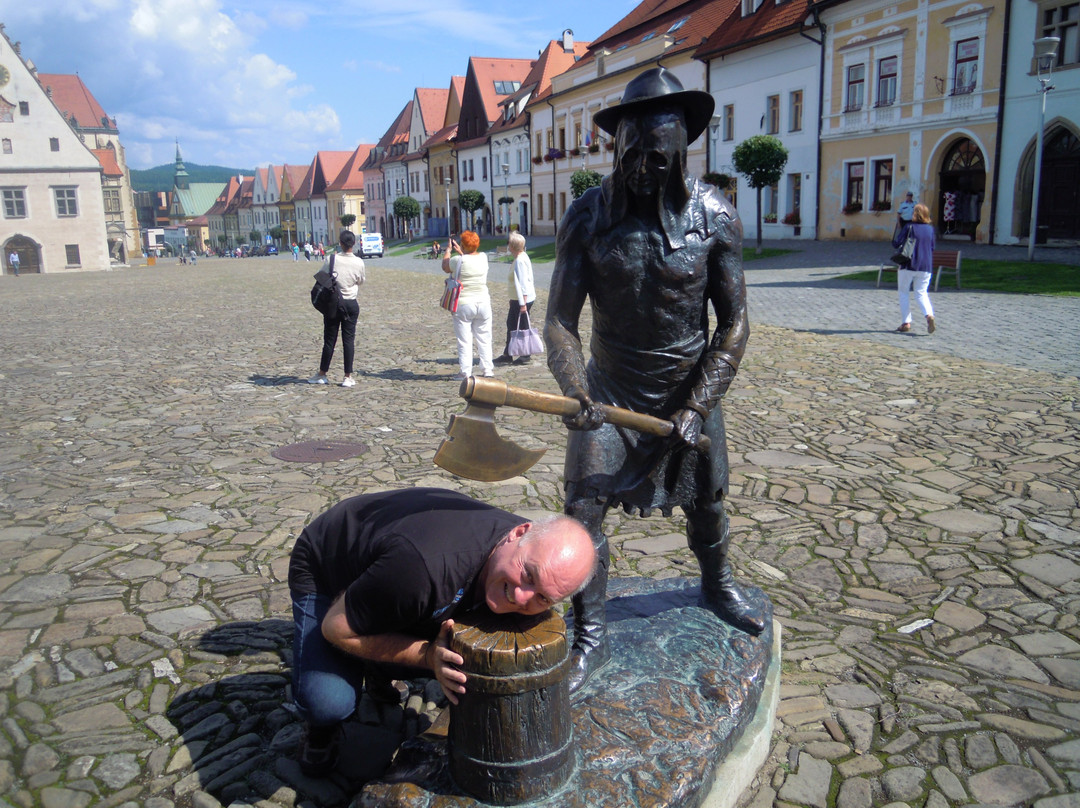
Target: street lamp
x,y
506,194
714,134
1045,55
448,181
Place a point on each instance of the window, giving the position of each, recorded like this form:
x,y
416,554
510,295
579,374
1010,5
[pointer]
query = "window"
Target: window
x,y
14,203
1064,23
795,111
883,184
856,81
539,207
24,107
855,174
112,200
729,122
72,251
967,66
551,207
66,204
483,168
886,82
7,145
562,203
507,87
794,188
676,26
54,144
772,115
472,175
770,198
562,138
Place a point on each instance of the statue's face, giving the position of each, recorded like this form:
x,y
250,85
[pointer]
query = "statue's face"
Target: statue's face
x,y
648,149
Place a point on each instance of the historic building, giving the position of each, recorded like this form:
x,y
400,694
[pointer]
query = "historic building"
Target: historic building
x,y
51,189
345,195
441,153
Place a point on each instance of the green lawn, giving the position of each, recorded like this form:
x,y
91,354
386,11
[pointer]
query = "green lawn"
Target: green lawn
x,y
1016,277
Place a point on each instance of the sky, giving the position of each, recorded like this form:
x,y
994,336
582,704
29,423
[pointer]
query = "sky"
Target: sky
x,y
245,84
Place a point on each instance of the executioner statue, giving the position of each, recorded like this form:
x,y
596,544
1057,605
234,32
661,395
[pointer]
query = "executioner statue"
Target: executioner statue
x,y
650,248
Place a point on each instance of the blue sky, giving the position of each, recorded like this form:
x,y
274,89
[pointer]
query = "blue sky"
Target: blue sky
x,y
250,83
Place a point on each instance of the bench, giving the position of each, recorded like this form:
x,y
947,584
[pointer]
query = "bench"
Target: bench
x,y
945,262
502,251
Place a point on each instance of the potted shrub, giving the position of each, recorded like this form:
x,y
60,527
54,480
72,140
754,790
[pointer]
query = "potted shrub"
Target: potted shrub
x,y
852,207
793,218
594,148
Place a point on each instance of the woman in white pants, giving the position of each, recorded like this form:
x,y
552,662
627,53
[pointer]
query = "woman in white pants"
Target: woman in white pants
x,y
916,277
472,320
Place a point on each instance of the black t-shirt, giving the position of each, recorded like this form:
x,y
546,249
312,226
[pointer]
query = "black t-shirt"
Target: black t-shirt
x,y
406,560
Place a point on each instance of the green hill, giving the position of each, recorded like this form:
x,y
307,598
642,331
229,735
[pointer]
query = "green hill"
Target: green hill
x,y
160,178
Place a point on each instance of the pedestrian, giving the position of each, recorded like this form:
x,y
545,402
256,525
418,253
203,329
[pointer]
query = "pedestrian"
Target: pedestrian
x,y
13,259
194,257
904,212
916,276
295,251
522,295
307,250
375,584
349,269
472,320
651,249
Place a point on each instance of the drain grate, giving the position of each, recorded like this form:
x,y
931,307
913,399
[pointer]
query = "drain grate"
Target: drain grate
x,y
319,451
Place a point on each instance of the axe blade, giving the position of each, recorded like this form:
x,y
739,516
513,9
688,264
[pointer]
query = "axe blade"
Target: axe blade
x,y
474,450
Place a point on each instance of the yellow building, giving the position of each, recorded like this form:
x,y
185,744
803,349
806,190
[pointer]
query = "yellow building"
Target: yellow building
x,y
910,103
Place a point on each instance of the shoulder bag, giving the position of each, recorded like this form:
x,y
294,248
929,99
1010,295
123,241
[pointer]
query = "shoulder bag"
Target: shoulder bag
x,y
326,293
903,256
451,292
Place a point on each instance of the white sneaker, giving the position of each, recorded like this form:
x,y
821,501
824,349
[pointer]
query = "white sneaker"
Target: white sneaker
x,y
489,374
348,381
462,377
317,380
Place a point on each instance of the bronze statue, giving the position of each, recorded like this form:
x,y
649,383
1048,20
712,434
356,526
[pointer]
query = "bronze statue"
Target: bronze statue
x,y
650,248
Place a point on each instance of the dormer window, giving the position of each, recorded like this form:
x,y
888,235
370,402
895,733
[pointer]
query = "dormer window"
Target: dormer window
x,y
507,87
648,36
678,25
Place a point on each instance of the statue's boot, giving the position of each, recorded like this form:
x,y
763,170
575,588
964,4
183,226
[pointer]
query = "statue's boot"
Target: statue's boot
x,y
721,592
590,650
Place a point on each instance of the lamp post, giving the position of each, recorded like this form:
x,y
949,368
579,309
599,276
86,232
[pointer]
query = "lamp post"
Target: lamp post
x,y
714,133
1045,55
506,194
448,181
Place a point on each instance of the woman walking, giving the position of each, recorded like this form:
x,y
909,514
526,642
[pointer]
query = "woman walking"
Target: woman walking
x,y
350,274
522,295
916,277
472,320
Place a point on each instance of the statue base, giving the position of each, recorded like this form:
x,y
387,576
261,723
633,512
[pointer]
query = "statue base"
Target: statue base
x,y
682,715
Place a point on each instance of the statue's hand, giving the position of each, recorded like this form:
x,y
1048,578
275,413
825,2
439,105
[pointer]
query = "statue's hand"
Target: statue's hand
x,y
688,425
591,416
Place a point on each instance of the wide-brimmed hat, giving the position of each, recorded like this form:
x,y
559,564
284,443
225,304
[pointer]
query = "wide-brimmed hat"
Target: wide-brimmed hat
x,y
659,87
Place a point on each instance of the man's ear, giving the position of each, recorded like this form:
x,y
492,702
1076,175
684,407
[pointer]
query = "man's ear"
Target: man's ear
x,y
518,532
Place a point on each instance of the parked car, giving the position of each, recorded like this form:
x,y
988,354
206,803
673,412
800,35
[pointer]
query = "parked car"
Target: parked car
x,y
271,250
371,245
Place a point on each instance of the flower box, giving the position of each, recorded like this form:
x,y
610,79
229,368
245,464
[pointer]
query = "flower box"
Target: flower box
x,y
852,207
610,145
537,160
770,218
575,152
793,218
594,148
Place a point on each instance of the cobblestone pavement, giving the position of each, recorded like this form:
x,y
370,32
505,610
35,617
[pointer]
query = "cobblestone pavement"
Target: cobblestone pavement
x,y
912,514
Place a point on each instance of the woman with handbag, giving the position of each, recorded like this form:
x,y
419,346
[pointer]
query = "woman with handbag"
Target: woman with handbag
x,y
522,295
916,276
472,320
349,272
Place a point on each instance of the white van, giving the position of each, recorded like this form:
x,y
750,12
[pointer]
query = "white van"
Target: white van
x,y
371,245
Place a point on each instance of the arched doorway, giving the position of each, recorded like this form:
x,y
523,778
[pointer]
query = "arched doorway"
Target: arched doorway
x,y
961,189
29,255
1059,190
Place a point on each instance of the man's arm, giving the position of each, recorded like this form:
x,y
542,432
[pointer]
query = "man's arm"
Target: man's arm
x,y
398,649
727,294
568,292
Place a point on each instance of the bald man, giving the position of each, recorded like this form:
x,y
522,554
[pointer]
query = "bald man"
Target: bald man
x,y
376,580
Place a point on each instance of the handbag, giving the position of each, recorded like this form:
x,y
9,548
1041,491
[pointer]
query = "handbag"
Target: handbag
x,y
906,252
525,341
451,293
326,293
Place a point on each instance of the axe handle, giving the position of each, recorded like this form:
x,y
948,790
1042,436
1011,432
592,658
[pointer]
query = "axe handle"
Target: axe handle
x,y
499,394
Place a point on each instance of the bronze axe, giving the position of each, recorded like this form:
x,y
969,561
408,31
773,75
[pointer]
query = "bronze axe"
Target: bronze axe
x,y
473,448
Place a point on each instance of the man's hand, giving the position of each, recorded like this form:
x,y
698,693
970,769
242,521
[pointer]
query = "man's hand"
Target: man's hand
x,y
688,425
589,417
446,664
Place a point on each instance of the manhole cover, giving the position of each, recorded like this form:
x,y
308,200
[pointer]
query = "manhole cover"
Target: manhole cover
x,y
319,451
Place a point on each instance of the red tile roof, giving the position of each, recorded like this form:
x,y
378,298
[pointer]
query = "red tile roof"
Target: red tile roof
x,y
304,191
328,165
107,158
73,99
351,176
553,61
487,71
432,107
770,21
295,175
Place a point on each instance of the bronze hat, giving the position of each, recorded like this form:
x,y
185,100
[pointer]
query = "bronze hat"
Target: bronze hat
x,y
659,87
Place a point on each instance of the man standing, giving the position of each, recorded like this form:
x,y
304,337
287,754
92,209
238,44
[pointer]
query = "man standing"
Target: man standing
x,y
13,259
376,580
651,248
906,210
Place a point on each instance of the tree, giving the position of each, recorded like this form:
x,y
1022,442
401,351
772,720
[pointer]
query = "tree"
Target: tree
x,y
761,159
406,208
582,180
471,201
347,220
255,237
276,233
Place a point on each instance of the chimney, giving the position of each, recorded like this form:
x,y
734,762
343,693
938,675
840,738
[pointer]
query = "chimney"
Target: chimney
x,y
568,41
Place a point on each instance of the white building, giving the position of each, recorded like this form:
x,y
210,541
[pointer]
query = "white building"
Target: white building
x,y
53,213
